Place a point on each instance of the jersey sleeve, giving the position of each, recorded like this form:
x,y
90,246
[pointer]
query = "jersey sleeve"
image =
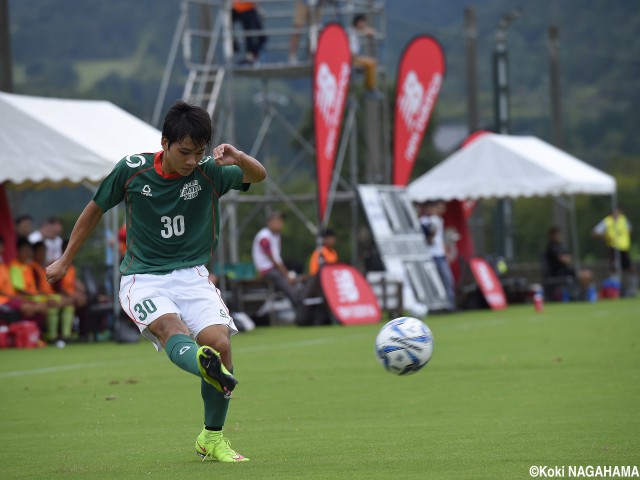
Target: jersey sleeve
x,y
231,178
111,191
225,178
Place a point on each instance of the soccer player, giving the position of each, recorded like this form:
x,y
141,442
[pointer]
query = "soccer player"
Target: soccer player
x,y
173,222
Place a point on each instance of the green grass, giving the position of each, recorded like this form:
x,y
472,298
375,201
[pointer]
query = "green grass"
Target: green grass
x,y
504,391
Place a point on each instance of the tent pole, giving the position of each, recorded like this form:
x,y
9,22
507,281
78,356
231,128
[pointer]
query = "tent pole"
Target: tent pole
x,y
574,234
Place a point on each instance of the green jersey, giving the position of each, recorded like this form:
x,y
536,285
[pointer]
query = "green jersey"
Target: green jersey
x,y
173,222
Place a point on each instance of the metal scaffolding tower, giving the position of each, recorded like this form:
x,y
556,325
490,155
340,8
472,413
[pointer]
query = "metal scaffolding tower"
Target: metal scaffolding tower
x,y
210,48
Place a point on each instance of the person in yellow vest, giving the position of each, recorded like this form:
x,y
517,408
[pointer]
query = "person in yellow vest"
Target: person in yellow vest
x,y
24,282
615,229
58,327
327,251
9,298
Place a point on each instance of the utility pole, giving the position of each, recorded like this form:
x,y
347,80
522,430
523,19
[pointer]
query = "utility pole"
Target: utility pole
x,y
476,222
559,210
471,37
6,74
504,227
554,84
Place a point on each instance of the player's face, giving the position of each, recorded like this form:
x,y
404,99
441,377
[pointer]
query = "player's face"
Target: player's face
x,y
181,157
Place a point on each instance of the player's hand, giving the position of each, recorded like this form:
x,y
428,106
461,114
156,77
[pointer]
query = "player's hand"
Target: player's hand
x,y
56,271
226,154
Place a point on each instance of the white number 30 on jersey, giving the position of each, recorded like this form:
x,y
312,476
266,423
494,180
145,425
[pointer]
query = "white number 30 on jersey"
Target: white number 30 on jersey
x,y
172,226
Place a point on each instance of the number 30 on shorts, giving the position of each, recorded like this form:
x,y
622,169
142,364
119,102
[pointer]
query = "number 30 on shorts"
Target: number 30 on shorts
x,y
144,308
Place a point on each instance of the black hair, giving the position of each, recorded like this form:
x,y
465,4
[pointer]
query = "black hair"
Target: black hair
x,y
553,230
38,245
185,120
1,240
21,242
22,218
357,19
327,232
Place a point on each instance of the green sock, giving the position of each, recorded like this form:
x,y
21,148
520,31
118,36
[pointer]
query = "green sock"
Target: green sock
x,y
215,405
182,351
68,313
53,319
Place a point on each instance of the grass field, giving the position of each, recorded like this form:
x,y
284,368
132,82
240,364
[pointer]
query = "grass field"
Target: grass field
x,y
504,391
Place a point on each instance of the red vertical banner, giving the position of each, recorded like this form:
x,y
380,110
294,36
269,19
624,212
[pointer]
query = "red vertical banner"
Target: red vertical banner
x,y
420,75
488,282
7,231
331,75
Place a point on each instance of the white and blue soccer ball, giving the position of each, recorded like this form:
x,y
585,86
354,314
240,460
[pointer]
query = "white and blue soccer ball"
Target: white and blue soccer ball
x,y
404,346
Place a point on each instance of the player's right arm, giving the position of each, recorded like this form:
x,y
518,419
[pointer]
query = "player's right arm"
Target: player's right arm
x,y
85,225
109,194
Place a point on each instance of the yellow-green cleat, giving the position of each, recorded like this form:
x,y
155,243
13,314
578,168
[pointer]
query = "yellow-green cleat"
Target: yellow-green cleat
x,y
214,372
215,446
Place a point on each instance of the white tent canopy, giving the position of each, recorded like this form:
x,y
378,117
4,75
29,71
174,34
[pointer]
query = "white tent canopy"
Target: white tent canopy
x,y
503,166
52,141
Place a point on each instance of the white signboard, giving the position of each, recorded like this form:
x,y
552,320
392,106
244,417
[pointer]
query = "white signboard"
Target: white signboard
x,y
402,247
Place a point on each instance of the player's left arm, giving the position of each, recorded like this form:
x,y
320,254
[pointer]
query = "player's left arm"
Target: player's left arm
x,y
252,170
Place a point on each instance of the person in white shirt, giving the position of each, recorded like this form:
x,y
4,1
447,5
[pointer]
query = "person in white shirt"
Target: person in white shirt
x,y
433,226
265,252
49,233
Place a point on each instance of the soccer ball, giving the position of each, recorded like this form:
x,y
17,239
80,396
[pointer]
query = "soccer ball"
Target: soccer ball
x,y
404,346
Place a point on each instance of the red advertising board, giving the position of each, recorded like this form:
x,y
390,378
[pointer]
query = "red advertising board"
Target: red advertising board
x,y
420,75
348,295
489,284
331,75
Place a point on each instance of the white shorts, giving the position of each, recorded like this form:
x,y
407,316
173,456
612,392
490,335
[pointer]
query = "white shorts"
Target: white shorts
x,y
187,292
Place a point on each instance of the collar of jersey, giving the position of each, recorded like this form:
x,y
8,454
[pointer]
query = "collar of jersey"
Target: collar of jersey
x,y
157,165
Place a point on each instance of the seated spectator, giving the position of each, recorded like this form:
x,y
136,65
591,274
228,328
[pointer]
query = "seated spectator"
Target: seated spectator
x,y
248,16
24,226
327,252
66,302
359,28
49,233
11,301
23,280
559,264
268,262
